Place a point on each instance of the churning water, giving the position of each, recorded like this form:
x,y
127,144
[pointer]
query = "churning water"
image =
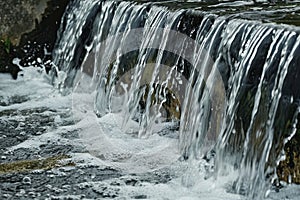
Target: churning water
x,y
202,95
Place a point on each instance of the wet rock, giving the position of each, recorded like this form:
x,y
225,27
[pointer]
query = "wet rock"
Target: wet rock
x,y
3,157
18,125
26,180
106,192
70,134
55,149
140,197
16,99
18,17
28,30
60,182
131,181
289,169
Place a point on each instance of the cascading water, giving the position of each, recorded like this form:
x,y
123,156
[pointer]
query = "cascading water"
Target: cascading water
x,y
260,50
227,83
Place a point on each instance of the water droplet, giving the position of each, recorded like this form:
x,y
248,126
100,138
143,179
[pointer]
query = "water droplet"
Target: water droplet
x,y
20,125
26,180
51,175
32,194
38,133
22,133
39,60
57,119
6,196
267,193
22,192
3,157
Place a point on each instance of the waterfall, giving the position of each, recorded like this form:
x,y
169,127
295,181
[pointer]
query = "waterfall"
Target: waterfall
x,y
226,85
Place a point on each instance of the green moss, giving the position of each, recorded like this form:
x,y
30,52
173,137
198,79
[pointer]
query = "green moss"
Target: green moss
x,y
7,44
30,165
290,167
6,53
3,44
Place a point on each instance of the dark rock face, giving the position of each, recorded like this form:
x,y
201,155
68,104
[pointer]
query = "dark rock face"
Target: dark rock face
x,y
28,30
18,17
289,169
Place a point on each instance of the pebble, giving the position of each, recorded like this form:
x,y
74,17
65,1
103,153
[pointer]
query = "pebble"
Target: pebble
x,y
26,180
6,195
38,133
39,60
22,133
141,197
21,124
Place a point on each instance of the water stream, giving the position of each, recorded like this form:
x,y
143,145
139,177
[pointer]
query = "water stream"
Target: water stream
x,y
201,87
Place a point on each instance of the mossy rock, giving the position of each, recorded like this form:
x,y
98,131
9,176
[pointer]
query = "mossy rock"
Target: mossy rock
x,y
289,169
19,17
31,165
27,28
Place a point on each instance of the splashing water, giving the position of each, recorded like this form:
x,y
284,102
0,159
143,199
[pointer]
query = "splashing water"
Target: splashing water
x,y
216,86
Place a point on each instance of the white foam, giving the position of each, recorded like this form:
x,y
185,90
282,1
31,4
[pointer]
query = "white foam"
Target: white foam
x,y
110,145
